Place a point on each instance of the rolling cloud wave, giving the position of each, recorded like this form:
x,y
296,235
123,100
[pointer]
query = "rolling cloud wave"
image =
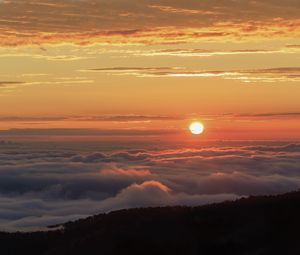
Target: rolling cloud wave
x,y
40,186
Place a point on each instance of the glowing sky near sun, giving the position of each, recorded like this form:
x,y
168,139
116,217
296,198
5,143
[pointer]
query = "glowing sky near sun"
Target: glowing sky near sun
x,y
149,68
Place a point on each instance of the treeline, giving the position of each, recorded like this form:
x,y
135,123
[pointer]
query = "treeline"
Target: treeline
x,y
256,225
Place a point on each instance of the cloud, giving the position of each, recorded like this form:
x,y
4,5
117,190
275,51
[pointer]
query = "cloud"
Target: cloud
x,y
272,115
64,81
170,9
46,184
96,118
281,74
136,118
121,172
85,132
11,84
130,118
31,118
132,69
293,46
257,75
18,216
99,21
204,52
154,193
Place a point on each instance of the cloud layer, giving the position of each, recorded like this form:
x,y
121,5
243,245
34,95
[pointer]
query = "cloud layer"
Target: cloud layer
x,y
44,184
84,22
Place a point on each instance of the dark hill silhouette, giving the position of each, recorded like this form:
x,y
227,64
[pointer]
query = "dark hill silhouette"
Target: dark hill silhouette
x,y
253,226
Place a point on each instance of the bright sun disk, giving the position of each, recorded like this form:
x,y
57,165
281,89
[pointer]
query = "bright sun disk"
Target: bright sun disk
x,y
196,128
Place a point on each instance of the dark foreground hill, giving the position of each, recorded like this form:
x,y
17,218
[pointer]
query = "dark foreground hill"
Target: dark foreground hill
x,y
256,225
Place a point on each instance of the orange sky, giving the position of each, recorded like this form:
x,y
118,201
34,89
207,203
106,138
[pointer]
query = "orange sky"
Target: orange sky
x,y
148,68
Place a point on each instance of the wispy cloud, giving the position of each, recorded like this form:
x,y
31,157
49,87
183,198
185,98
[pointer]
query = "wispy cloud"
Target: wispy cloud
x,y
281,74
11,84
136,118
96,118
207,53
171,9
82,22
64,81
293,46
86,132
132,69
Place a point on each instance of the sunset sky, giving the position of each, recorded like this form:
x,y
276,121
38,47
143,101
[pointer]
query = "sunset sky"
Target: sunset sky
x,y
97,98
115,69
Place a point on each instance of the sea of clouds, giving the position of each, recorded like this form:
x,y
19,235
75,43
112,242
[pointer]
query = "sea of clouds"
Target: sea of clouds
x,y
44,184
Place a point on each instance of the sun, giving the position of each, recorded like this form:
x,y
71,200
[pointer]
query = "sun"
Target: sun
x,y
196,128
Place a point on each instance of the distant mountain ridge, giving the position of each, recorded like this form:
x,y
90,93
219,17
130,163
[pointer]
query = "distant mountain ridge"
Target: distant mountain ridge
x,y
256,225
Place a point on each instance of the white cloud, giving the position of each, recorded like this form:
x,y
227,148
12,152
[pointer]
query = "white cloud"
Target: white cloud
x,y
47,185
